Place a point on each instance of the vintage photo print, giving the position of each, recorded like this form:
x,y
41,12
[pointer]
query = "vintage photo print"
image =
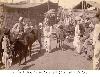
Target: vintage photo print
x,y
49,34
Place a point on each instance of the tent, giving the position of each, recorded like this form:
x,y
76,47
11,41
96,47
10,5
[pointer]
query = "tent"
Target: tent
x,y
34,11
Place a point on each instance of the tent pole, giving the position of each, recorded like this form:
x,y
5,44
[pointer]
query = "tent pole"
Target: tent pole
x,y
48,5
82,5
58,2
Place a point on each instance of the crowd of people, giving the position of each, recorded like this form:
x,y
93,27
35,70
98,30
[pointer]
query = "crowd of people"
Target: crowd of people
x,y
5,42
85,34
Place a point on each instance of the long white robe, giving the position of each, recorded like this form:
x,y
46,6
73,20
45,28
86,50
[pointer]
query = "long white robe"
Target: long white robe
x,y
76,41
96,44
47,38
5,45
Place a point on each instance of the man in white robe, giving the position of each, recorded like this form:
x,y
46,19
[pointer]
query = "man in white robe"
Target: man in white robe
x,y
76,41
47,37
96,43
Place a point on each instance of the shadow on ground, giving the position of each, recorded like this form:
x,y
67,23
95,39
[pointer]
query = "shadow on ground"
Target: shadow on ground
x,y
65,47
54,50
27,67
1,66
70,40
36,56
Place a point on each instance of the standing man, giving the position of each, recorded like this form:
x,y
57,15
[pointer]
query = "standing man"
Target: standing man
x,y
96,43
18,28
47,37
66,22
76,41
41,27
1,35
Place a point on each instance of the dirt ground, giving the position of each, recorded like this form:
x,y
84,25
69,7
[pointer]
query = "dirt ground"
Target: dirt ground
x,y
56,60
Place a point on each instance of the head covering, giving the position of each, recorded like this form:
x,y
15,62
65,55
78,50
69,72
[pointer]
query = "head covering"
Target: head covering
x,y
77,18
40,23
20,18
58,26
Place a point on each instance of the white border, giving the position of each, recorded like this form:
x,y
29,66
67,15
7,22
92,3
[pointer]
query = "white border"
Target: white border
x,y
49,73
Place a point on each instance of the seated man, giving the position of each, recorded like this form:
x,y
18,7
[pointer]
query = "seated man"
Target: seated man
x,y
18,28
27,28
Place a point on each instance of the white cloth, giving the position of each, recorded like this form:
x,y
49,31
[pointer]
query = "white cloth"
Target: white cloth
x,y
26,27
6,61
20,18
96,44
76,41
4,58
66,21
47,38
91,25
5,44
16,28
31,27
47,31
47,44
40,25
96,33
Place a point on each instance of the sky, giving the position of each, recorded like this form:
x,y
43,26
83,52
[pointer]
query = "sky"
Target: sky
x,y
63,3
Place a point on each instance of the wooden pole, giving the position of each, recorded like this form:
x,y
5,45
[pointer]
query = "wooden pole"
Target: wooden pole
x,y
48,5
86,5
82,5
58,2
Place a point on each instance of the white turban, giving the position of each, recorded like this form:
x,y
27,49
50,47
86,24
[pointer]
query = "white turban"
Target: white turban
x,y
77,18
20,18
40,23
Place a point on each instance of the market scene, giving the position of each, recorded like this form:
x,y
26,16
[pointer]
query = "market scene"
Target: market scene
x,y
45,35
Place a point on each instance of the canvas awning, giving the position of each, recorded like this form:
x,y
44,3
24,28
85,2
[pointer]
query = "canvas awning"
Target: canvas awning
x,y
24,5
27,5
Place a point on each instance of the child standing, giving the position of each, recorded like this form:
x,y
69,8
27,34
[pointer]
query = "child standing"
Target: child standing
x,y
6,54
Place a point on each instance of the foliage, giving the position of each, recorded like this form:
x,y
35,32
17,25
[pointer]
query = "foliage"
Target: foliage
x,y
51,16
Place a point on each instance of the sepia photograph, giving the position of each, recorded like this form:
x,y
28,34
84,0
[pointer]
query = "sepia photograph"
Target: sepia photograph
x,y
49,34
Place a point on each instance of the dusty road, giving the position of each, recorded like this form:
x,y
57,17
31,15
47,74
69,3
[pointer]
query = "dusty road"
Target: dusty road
x,y
56,60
